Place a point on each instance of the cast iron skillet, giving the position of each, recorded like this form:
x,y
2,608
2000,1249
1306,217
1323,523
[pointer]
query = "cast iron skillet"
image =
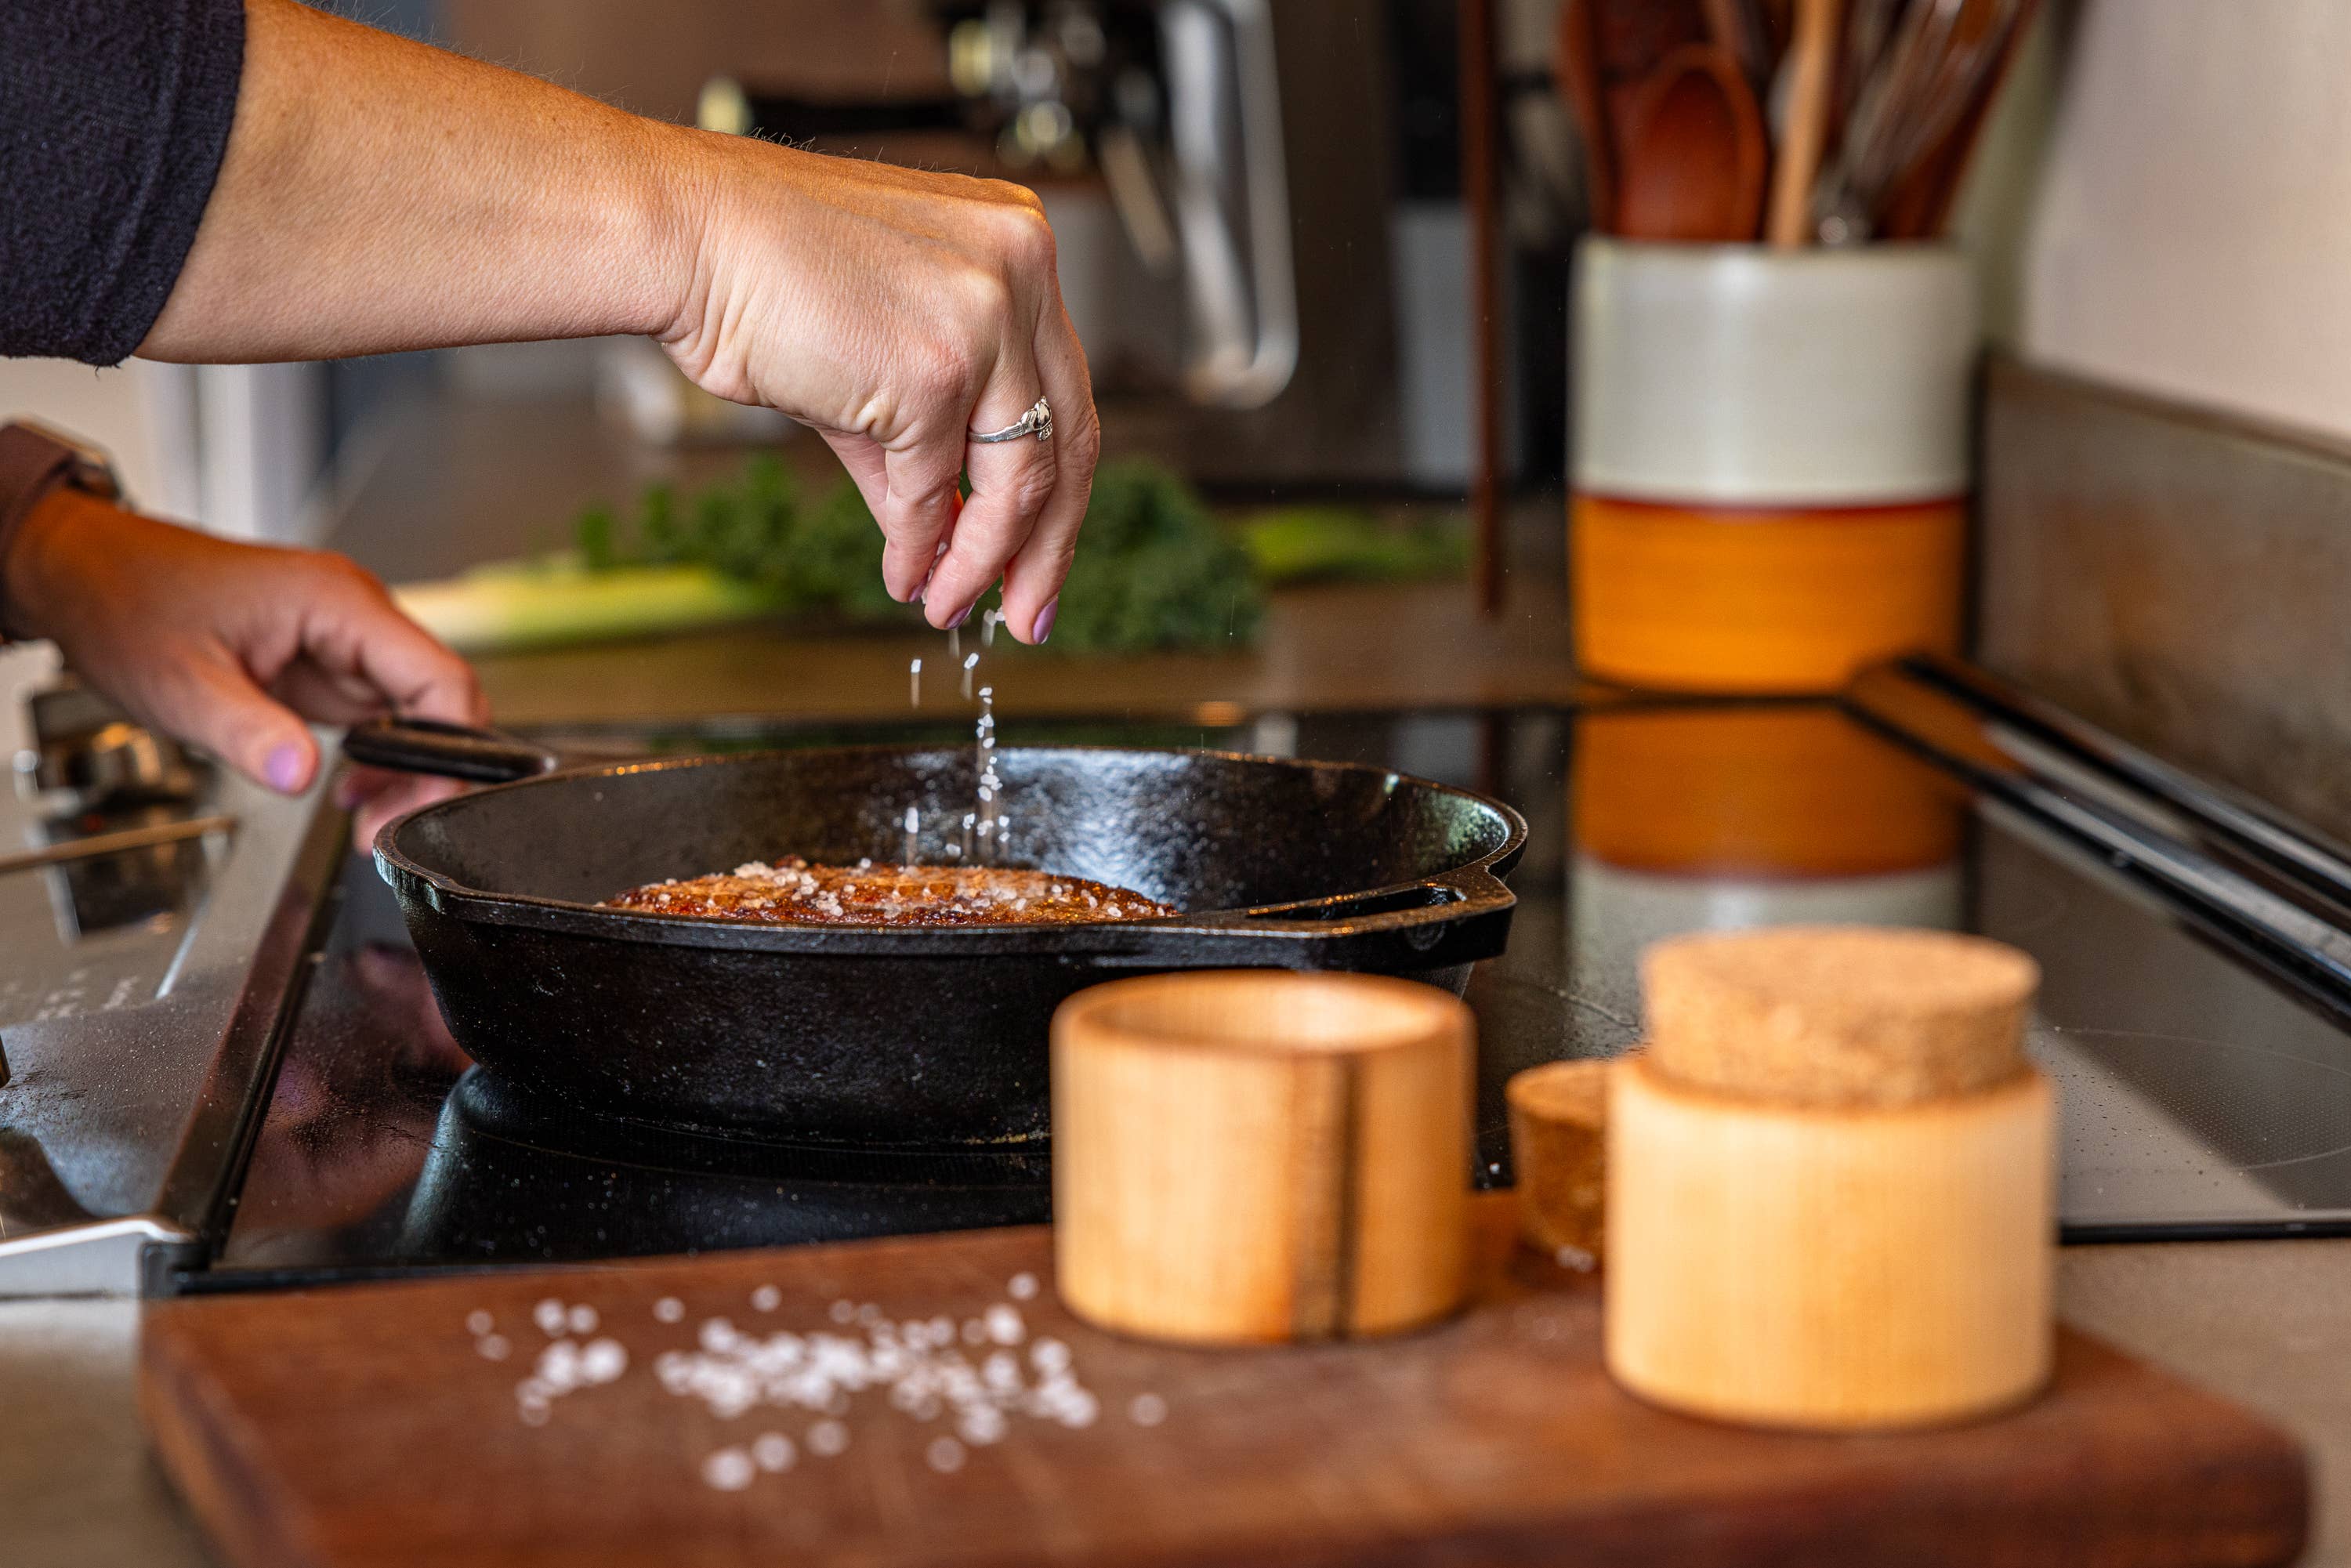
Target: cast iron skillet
x,y
871,1035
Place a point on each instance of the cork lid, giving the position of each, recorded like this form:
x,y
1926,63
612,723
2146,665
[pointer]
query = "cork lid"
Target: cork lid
x,y
1837,1015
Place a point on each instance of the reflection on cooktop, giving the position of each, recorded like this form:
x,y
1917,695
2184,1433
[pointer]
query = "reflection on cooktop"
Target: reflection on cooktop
x,y
2198,1097
586,1186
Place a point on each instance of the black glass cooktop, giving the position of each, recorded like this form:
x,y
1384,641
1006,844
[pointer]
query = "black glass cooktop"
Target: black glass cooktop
x,y
2206,1076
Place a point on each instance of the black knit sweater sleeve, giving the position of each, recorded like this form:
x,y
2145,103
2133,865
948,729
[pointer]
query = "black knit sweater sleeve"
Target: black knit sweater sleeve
x,y
114,115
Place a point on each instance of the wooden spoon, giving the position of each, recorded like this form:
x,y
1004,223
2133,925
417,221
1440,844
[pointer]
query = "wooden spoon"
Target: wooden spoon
x,y
1694,162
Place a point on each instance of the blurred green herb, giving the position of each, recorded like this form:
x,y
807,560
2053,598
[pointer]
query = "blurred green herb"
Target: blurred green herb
x,y
1154,569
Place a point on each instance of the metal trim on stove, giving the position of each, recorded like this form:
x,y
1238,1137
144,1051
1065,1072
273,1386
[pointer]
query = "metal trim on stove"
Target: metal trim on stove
x,y
2231,866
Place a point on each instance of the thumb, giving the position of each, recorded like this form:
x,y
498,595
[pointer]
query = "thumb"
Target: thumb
x,y
220,710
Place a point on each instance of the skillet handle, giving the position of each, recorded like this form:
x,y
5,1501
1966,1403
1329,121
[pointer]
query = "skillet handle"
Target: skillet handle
x,y
445,750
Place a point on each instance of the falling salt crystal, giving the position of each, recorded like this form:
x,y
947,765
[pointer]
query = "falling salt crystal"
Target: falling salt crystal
x,y
773,1451
767,1299
970,663
869,1313
1079,1409
729,1470
603,1361
583,1319
548,1316
828,1439
534,1415
1577,1258
1023,1287
989,622
974,1332
493,1347
1004,1326
844,1310
478,1323
954,646
1050,1355
669,1309
1146,1410
915,684
945,1455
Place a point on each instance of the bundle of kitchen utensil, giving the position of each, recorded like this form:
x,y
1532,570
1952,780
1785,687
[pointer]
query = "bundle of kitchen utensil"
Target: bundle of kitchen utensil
x,y
1799,121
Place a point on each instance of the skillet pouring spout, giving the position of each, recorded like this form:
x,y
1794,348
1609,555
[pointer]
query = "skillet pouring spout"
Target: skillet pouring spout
x,y
920,1037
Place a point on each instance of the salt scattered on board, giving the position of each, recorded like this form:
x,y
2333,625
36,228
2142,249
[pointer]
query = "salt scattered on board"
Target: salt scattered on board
x,y
925,1368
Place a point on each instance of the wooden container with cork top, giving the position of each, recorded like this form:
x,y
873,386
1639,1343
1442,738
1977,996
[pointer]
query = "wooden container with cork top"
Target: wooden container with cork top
x,y
1831,1181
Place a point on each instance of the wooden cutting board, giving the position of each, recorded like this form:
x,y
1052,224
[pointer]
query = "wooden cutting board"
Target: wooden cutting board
x,y
369,1425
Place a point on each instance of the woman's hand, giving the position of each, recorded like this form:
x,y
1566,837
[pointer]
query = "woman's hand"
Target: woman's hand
x,y
232,646
894,310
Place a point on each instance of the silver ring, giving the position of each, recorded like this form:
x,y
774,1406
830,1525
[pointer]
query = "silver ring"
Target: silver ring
x,y
1037,422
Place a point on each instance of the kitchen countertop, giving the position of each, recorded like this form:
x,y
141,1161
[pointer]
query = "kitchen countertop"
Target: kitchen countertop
x,y
2261,1321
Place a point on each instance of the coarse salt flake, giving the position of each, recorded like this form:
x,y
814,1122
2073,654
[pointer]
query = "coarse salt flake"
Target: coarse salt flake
x,y
828,1439
1004,1326
1146,1410
773,1451
479,1322
729,1470
669,1309
767,1299
1022,1287
548,1316
945,1455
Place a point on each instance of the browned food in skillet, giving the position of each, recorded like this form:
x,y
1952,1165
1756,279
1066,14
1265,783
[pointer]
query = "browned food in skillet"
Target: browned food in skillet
x,y
793,892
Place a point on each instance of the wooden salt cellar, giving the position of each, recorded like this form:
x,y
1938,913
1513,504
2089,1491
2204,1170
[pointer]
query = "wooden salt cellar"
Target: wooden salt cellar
x,y
1251,1156
1830,1182
1558,1146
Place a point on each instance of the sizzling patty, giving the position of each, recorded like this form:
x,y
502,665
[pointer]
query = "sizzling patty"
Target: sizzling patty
x,y
793,892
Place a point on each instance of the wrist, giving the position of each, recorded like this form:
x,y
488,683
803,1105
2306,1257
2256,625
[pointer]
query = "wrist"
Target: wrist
x,y
686,172
27,591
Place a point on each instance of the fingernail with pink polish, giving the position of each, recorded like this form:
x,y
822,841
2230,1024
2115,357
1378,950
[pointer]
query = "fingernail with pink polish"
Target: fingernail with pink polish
x,y
285,768
959,619
1044,627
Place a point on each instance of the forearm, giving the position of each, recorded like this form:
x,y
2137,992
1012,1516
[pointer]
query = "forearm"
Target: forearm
x,y
377,194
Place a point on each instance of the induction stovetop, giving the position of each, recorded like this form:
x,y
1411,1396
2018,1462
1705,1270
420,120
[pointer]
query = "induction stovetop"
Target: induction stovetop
x,y
2204,1062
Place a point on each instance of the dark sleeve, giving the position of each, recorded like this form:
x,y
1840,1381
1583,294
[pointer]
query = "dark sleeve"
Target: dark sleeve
x,y
114,115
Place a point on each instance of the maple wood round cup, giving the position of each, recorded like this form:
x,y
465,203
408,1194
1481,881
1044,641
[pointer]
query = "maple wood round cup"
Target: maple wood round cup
x,y
1771,460
1254,1157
